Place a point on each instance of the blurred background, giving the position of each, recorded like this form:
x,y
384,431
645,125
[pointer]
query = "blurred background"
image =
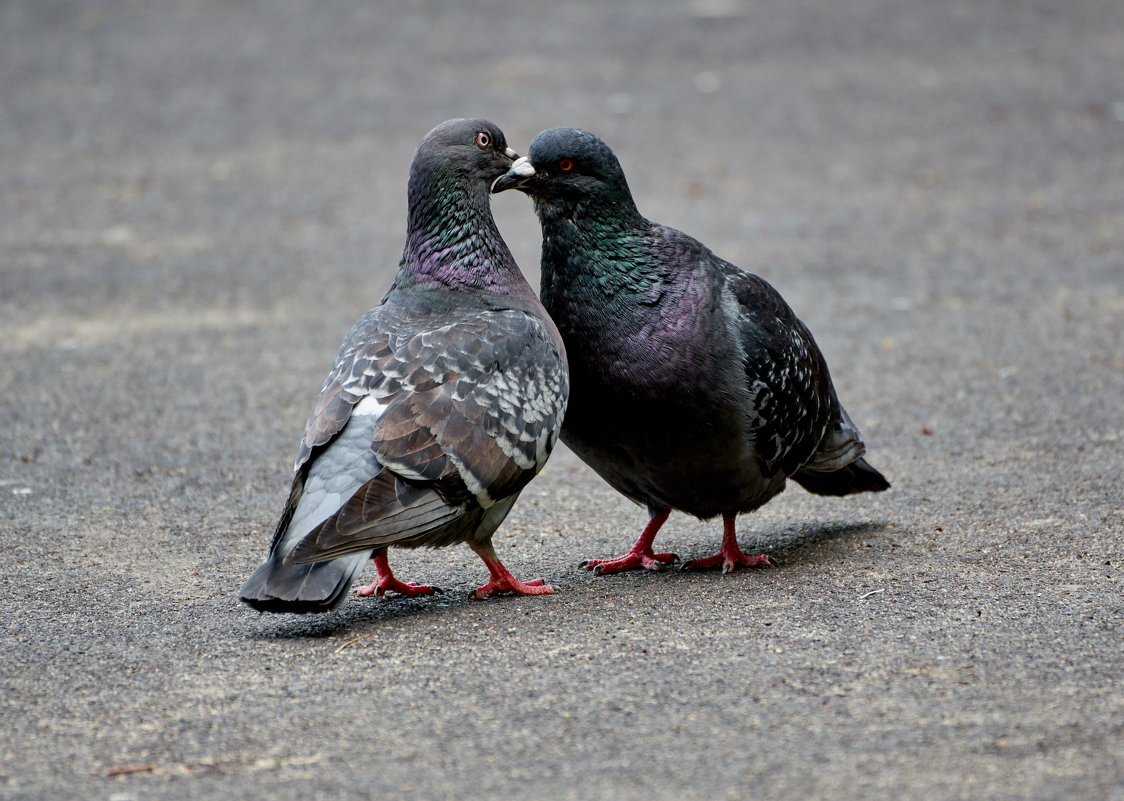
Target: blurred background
x,y
185,135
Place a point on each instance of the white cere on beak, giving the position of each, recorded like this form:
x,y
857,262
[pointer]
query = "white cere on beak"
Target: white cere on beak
x,y
522,167
511,154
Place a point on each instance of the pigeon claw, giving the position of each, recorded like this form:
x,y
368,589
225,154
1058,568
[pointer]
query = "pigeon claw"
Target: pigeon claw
x,y
381,587
633,560
729,561
508,584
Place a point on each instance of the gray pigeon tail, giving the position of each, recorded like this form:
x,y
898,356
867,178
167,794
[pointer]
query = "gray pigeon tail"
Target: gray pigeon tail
x,y
858,476
319,587
443,402
694,385
837,467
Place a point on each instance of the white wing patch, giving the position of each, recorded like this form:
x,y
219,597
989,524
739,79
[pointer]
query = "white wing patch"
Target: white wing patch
x,y
370,405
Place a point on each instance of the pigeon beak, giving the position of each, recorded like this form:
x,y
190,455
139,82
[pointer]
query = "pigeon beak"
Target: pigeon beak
x,y
515,178
511,154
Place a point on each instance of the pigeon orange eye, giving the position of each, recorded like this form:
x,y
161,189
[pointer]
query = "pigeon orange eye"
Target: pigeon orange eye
x,y
483,140
565,165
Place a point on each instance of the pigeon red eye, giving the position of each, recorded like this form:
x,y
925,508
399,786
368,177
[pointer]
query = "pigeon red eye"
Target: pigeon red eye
x,y
565,165
483,140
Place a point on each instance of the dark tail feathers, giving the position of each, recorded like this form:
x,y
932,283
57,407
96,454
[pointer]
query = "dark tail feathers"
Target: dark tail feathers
x,y
317,587
858,476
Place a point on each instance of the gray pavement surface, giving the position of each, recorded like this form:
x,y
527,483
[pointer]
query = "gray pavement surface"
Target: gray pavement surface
x,y
197,199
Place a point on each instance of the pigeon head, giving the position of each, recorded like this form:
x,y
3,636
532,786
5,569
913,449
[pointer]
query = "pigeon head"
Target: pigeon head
x,y
568,168
451,237
453,167
472,150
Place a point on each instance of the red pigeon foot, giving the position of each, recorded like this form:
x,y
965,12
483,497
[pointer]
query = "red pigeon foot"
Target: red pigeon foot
x,y
502,580
729,559
386,582
636,558
729,555
641,555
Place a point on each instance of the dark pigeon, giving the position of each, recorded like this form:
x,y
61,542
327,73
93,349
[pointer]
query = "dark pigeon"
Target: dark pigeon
x,y
444,400
694,385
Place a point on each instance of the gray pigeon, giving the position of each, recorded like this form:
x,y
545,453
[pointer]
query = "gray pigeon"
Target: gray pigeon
x,y
444,400
694,385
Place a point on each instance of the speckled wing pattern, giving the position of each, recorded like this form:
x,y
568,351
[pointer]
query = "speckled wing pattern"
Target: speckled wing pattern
x,y
792,400
469,412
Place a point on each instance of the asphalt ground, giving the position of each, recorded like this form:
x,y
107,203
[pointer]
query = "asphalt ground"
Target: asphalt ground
x,y
197,199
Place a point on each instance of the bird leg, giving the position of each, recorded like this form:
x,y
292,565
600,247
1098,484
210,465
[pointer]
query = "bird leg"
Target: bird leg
x,y
641,554
502,580
729,555
386,582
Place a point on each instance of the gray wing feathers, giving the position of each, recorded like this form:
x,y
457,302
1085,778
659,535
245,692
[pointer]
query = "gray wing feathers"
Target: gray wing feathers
x,y
383,512
467,415
351,379
487,401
